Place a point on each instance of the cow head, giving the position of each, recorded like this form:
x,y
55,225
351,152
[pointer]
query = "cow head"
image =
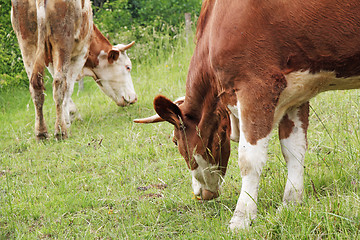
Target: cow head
x,y
112,74
203,142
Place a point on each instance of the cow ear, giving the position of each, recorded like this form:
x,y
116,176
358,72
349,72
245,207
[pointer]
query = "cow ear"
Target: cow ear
x,y
113,55
167,110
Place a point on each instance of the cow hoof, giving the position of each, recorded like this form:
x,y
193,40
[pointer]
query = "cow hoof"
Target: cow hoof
x,y
239,223
42,136
61,136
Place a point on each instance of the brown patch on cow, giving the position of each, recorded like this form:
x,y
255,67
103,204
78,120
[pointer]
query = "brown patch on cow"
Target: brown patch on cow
x,y
61,10
204,16
98,43
286,126
37,77
27,22
304,117
258,99
84,30
48,55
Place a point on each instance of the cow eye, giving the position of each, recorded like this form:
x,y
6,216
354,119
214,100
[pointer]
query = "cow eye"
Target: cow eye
x,y
174,141
128,68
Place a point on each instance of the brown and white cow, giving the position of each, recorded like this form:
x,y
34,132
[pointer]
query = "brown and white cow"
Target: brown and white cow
x,y
261,61
61,36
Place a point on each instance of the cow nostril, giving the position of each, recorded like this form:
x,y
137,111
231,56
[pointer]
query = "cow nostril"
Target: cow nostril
x,y
123,102
134,101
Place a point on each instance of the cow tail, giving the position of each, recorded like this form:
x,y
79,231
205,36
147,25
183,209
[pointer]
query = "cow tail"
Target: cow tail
x,y
36,80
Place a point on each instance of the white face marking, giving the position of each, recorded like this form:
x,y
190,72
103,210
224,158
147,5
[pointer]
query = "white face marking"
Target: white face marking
x,y
196,185
206,175
115,78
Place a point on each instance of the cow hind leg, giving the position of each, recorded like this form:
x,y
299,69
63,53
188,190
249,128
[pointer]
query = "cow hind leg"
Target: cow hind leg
x,y
59,88
38,98
36,92
292,133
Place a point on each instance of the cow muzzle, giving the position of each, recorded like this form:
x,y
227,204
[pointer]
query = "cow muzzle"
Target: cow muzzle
x,y
125,102
208,195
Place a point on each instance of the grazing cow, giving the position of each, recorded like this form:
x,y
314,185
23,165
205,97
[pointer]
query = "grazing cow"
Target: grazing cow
x,y
61,36
261,61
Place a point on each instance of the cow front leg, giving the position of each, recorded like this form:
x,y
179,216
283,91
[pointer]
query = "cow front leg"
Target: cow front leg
x,y
74,74
69,108
292,133
252,158
38,98
59,88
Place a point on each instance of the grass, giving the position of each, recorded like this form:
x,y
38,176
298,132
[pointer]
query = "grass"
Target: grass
x,y
114,179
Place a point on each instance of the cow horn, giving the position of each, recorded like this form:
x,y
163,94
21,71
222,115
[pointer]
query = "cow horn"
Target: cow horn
x,y
126,47
156,118
180,101
152,119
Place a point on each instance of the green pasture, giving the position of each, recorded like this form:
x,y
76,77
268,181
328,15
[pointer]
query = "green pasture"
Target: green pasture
x,y
114,179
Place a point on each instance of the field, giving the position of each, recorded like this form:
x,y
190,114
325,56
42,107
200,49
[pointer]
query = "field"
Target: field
x,y
114,179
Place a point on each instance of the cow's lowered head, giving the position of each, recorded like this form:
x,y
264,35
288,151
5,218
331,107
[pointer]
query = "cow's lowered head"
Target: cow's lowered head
x,y
110,67
203,140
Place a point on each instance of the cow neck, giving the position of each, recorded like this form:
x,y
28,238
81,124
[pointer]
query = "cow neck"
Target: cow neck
x,y
201,94
98,43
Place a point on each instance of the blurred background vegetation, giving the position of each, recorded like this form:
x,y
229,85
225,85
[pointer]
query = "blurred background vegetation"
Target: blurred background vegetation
x,y
155,25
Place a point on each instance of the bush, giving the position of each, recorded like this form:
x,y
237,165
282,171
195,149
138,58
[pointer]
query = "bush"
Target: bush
x,y
12,72
154,25
116,14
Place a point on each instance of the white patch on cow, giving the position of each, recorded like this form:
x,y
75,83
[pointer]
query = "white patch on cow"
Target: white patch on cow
x,y
252,158
234,110
196,185
207,175
115,78
293,149
303,85
40,11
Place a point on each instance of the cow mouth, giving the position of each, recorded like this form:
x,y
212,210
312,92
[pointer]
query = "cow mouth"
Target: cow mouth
x,y
209,195
125,102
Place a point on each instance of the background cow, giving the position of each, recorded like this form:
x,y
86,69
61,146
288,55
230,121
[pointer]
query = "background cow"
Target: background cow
x,y
261,61
61,35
